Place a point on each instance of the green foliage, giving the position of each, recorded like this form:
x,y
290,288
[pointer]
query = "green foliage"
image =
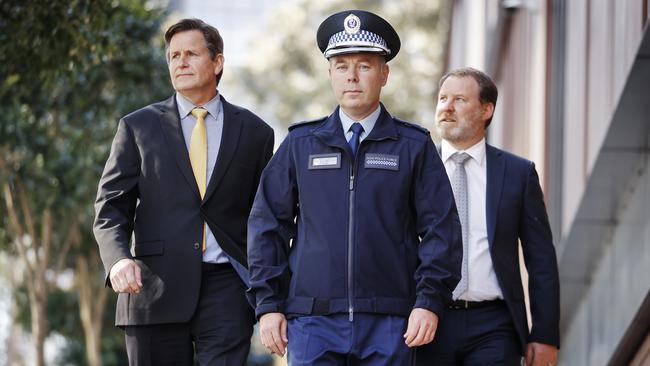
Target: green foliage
x,y
113,352
59,307
21,300
291,80
62,314
68,71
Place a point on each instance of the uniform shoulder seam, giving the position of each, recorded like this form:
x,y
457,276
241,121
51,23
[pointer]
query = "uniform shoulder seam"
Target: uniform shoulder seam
x,y
303,123
413,125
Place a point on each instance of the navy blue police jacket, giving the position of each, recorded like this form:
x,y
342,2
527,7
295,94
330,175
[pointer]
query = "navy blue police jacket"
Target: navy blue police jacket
x,y
333,233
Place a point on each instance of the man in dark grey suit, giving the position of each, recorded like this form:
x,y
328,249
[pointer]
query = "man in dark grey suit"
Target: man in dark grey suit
x,y
500,203
171,212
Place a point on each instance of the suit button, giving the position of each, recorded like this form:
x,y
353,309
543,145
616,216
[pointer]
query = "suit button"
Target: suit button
x,y
197,246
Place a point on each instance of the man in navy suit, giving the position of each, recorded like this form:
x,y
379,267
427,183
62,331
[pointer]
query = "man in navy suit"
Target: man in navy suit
x,y
172,208
500,202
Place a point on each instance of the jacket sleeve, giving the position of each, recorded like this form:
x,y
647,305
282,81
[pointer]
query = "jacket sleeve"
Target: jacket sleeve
x,y
271,226
267,153
116,199
438,226
541,264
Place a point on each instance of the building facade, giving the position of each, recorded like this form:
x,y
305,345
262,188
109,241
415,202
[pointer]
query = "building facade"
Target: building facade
x,y
574,84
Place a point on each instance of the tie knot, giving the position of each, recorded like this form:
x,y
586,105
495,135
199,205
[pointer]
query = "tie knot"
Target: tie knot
x,y
356,128
199,113
460,158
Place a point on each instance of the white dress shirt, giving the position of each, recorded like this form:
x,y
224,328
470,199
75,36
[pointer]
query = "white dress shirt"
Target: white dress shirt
x,y
482,284
214,128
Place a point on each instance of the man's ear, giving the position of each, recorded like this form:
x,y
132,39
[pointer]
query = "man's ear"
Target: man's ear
x,y
385,70
330,64
218,63
488,111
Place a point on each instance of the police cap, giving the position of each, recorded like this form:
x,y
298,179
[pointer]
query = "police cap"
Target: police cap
x,y
354,31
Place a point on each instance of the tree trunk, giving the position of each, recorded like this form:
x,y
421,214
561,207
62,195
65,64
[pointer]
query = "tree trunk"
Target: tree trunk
x,y
39,330
34,252
13,342
92,303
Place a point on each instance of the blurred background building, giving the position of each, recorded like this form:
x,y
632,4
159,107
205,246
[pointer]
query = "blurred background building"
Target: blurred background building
x,y
273,63
574,83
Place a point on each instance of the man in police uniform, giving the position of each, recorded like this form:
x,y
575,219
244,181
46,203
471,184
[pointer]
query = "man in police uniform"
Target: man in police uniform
x,y
354,235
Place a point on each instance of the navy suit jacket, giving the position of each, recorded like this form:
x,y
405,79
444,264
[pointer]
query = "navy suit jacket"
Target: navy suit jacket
x,y
148,191
515,211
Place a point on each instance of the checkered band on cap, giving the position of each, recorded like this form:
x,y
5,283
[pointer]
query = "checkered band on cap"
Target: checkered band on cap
x,y
363,40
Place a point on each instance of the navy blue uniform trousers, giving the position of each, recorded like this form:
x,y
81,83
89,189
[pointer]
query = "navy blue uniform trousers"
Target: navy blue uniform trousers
x,y
480,336
334,340
219,332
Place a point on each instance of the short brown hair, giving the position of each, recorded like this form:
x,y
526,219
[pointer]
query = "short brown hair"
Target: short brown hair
x,y
213,40
488,92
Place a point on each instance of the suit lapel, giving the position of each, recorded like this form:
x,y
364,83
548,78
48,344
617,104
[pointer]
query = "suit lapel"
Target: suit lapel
x,y
496,168
171,126
229,139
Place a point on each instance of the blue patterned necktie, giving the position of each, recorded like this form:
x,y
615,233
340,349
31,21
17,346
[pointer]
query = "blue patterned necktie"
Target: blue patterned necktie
x,y
459,186
357,129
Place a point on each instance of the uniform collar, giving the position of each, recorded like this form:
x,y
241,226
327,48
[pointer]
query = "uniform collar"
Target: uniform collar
x,y
368,123
331,131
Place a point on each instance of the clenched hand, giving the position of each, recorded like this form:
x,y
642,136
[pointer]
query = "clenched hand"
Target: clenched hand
x,y
421,327
125,276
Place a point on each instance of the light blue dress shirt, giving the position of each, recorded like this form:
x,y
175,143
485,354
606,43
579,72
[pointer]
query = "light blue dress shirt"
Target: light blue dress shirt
x,y
368,123
214,126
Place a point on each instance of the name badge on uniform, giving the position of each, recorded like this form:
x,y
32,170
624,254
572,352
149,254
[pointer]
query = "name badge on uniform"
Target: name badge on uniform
x,y
382,161
325,161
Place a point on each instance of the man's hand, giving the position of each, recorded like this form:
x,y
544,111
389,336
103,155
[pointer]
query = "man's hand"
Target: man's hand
x,y
125,276
273,332
540,354
421,328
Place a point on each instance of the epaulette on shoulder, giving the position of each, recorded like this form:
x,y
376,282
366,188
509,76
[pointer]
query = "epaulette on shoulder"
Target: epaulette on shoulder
x,y
302,123
412,125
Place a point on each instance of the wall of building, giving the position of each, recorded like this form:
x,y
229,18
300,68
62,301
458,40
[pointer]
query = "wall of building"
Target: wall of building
x,y
619,282
602,39
571,78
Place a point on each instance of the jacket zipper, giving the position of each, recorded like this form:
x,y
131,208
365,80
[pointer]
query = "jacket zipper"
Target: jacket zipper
x,y
350,244
351,238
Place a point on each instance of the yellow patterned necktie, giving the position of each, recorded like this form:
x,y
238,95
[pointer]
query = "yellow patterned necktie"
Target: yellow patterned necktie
x,y
199,153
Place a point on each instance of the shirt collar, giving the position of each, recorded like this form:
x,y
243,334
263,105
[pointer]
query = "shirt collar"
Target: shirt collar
x,y
185,106
368,123
476,151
